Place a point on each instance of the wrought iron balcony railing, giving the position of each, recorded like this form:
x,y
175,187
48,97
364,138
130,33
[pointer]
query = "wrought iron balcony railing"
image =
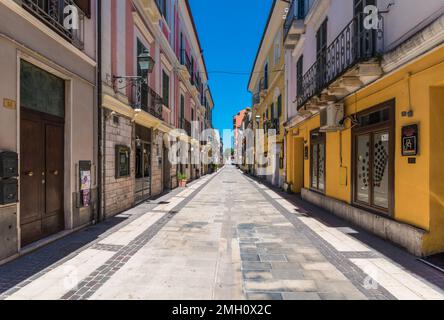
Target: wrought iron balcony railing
x,y
151,102
53,14
298,11
355,44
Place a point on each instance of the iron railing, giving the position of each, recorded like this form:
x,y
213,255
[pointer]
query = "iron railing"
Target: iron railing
x,y
354,44
298,11
53,14
151,102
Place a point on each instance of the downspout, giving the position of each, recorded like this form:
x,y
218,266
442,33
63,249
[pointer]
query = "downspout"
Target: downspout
x,y
101,166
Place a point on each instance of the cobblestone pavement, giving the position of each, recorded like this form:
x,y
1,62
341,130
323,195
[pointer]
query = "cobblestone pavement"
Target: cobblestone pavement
x,y
226,236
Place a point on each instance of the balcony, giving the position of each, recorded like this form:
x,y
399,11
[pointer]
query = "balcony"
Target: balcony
x,y
294,25
349,63
51,12
151,102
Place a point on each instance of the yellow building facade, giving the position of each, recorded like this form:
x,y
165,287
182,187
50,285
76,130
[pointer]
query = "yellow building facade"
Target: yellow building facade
x,y
413,95
267,83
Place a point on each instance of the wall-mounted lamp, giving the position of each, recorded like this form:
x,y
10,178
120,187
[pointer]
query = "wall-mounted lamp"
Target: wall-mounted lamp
x,y
146,66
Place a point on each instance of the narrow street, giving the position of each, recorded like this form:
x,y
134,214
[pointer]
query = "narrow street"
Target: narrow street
x,y
226,236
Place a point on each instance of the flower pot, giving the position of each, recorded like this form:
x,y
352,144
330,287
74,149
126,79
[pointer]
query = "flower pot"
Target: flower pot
x,y
182,183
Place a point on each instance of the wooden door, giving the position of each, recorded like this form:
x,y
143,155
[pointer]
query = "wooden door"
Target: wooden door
x,y
41,175
32,178
53,221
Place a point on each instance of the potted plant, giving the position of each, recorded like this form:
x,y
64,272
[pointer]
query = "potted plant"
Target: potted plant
x,y
182,178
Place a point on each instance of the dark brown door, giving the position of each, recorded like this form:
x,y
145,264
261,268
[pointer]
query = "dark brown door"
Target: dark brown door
x,y
41,175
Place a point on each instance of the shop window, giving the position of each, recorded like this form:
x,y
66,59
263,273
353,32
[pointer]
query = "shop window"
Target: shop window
x,y
373,159
317,161
122,161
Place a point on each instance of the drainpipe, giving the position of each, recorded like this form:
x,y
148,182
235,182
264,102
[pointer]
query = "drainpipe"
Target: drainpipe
x,y
100,165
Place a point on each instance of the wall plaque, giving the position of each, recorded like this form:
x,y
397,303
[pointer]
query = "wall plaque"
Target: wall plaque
x,y
9,104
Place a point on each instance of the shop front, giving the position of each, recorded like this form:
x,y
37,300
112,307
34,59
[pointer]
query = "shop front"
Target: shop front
x,y
383,170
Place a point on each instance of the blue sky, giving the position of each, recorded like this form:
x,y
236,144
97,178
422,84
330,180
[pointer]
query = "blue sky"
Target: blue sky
x,y
230,32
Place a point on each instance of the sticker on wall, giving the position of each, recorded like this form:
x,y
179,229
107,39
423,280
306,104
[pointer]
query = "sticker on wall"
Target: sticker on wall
x,y
410,140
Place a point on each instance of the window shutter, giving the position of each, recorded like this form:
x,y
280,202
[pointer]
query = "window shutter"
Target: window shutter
x,y
166,89
85,6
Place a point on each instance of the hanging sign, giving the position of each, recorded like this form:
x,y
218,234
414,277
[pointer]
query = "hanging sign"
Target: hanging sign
x,y
410,140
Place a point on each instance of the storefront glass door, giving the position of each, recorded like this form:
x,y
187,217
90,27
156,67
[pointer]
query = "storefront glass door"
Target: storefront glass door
x,y
373,160
143,163
317,161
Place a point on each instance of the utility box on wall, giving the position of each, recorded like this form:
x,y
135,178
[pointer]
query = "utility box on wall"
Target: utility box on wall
x,y
8,232
8,164
8,191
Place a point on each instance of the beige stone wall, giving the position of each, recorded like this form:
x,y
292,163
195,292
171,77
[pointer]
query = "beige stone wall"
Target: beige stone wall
x,y
118,193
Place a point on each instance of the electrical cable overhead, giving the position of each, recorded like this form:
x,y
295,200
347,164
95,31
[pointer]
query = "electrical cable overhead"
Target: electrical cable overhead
x,y
239,72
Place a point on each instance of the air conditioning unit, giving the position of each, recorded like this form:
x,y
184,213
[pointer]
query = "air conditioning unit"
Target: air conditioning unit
x,y
331,118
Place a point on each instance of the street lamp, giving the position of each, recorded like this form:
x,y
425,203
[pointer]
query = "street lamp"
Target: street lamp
x,y
146,65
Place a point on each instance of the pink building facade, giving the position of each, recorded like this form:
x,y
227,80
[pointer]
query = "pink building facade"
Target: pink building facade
x,y
138,116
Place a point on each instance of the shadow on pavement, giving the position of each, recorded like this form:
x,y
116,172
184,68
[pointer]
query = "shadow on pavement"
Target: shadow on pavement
x,y
20,269
388,249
